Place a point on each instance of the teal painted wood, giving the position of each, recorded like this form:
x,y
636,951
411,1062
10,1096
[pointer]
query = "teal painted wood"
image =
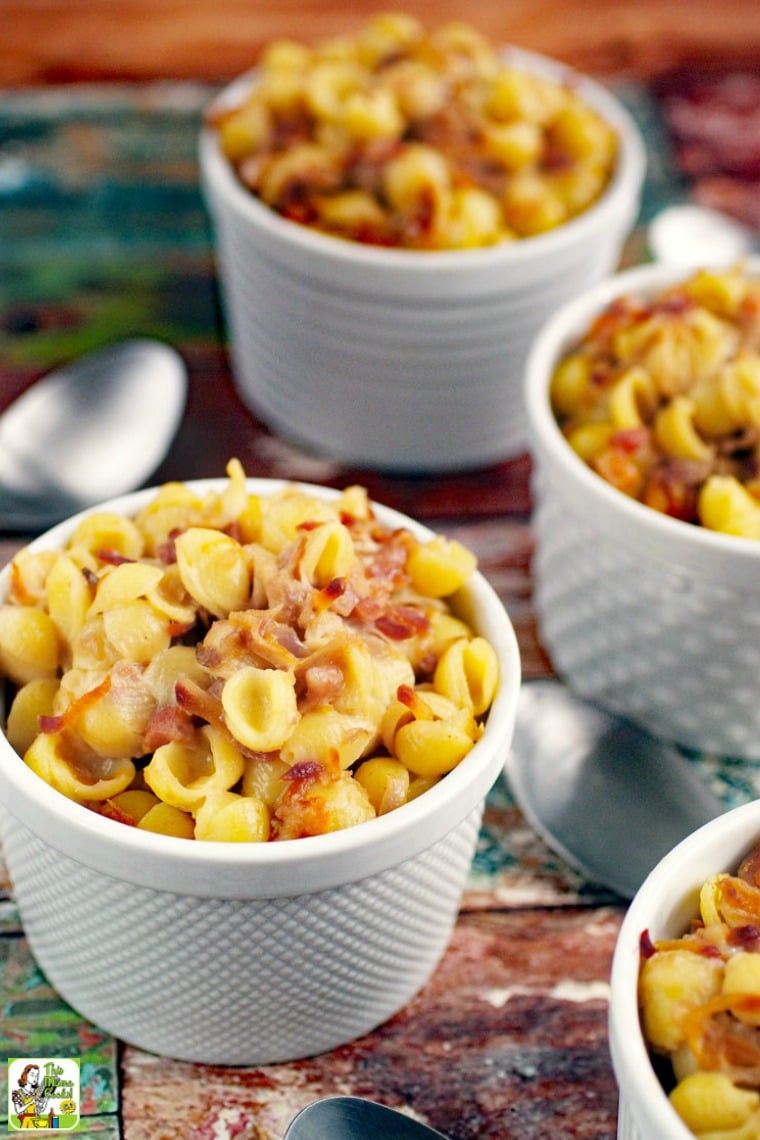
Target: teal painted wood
x,y
35,1022
103,230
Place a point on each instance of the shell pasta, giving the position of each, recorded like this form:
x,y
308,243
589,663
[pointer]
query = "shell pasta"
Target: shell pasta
x,y
661,397
699,997
400,137
245,668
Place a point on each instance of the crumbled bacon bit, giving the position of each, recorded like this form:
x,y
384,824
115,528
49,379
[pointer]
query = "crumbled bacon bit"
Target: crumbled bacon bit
x,y
112,557
647,947
304,770
406,695
415,702
390,560
334,589
198,702
676,304
322,681
368,610
393,628
167,551
76,708
402,622
167,724
50,723
746,937
631,440
707,950
671,495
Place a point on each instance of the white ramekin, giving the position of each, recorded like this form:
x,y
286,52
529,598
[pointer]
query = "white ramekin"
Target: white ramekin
x,y
250,953
652,617
399,359
664,906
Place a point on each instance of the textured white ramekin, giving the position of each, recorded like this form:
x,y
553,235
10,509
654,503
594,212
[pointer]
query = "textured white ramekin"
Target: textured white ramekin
x,y
652,617
664,906
229,953
398,359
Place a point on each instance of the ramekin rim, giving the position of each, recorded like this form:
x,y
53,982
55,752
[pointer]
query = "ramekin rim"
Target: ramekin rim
x,y
634,1072
626,180
478,767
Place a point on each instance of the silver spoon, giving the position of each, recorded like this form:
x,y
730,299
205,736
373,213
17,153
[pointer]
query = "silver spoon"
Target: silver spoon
x,y
88,431
354,1118
689,235
604,794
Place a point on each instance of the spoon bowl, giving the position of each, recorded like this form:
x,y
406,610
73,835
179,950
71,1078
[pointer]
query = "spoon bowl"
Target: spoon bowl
x,y
91,430
354,1118
689,235
606,795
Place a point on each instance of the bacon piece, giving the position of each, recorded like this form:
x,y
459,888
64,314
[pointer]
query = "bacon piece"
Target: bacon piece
x,y
198,702
745,937
305,771
167,724
415,702
323,683
390,559
368,610
112,557
76,708
402,622
167,551
333,590
646,946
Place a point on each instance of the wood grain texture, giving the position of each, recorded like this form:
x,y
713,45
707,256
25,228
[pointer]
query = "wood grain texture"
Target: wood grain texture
x,y
55,41
106,238
508,1040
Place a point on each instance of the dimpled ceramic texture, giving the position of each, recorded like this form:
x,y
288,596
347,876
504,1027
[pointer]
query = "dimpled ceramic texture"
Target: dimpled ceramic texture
x,y
664,905
401,359
228,953
178,975
653,618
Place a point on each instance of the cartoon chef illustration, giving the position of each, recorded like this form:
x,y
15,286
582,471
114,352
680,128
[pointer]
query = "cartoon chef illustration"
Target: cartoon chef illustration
x,y
29,1098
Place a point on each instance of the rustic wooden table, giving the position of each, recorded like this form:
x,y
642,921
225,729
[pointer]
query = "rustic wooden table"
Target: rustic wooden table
x,y
103,234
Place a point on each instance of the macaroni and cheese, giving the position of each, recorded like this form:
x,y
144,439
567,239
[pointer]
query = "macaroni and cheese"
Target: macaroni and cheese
x,y
396,137
243,667
661,398
700,1008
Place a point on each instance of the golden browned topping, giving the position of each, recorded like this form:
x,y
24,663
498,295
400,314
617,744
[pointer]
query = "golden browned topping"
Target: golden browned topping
x,y
242,667
700,1007
661,397
397,137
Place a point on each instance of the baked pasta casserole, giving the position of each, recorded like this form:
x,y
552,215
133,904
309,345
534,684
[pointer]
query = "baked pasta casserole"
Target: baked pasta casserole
x,y
661,397
700,1007
421,140
243,667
